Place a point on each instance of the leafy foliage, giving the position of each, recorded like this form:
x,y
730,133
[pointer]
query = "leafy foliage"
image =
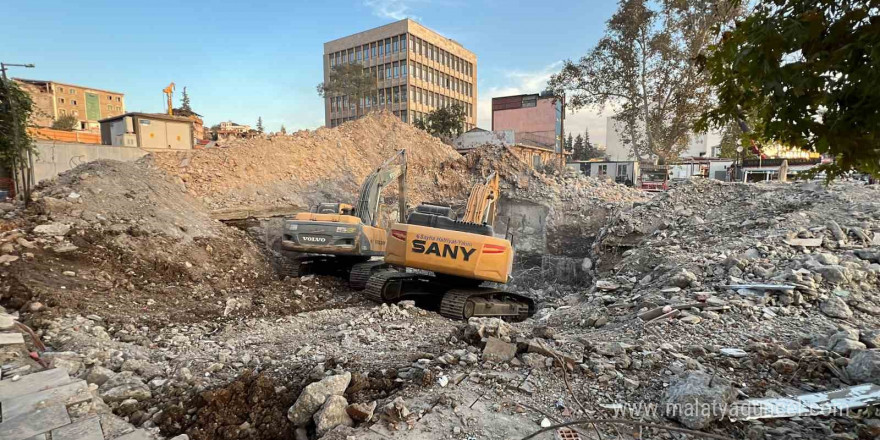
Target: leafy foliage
x,y
16,144
643,68
260,124
350,80
807,70
446,123
569,144
283,129
66,122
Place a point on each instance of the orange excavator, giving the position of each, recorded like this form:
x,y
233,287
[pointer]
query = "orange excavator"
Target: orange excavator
x,y
433,254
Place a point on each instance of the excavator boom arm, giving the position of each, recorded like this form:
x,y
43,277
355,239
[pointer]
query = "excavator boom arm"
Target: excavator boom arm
x,y
482,201
368,200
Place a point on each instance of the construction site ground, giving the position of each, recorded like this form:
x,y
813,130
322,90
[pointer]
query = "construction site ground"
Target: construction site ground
x,y
183,324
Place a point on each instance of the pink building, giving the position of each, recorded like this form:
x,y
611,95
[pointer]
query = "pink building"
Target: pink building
x,y
537,120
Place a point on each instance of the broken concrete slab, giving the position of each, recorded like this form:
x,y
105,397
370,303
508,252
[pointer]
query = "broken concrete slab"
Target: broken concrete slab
x,y
816,404
497,350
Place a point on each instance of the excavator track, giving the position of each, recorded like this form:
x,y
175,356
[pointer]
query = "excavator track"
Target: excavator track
x,y
462,304
376,286
361,272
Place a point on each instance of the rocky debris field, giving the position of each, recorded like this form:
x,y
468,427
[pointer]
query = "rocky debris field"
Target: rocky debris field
x,y
712,292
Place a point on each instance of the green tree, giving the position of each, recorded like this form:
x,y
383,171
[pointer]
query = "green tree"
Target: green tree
x,y
569,143
643,66
283,130
16,145
351,80
260,124
807,69
66,122
446,123
184,102
577,149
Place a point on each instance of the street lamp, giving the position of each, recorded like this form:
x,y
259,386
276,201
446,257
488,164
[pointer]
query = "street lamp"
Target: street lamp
x,y
4,66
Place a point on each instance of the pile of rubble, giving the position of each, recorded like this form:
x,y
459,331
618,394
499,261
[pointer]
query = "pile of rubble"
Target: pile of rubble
x,y
126,238
308,167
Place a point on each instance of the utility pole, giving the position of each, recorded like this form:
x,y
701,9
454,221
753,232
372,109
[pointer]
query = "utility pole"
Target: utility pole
x,y
26,170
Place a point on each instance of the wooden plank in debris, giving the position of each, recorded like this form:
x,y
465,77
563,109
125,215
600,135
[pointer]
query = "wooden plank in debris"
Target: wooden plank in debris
x,y
86,429
805,242
68,394
34,382
11,339
28,425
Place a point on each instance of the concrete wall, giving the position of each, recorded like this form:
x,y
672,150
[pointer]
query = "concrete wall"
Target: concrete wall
x,y
54,158
474,139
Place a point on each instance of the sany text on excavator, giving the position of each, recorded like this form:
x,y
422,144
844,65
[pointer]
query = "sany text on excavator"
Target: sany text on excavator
x,y
340,238
460,256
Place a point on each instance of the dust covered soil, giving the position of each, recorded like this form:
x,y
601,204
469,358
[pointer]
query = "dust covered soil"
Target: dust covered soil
x,y
182,326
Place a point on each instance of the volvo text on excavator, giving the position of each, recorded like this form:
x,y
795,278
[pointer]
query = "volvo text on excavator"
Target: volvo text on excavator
x,y
450,260
337,237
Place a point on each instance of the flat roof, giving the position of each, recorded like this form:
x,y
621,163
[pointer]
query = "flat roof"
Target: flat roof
x,y
406,23
161,116
39,81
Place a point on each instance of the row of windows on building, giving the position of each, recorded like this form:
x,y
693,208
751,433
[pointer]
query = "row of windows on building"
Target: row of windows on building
x,y
399,69
72,91
398,44
396,95
416,116
110,108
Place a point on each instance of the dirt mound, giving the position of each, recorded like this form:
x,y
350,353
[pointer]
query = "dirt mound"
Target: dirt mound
x,y
124,236
310,166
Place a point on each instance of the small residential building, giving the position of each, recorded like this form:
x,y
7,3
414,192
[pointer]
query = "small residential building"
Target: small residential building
x,y
416,70
53,100
624,172
152,132
232,127
616,149
536,119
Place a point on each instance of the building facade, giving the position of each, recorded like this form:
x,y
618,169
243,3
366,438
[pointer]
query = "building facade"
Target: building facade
x,y
616,149
54,100
537,120
416,69
233,127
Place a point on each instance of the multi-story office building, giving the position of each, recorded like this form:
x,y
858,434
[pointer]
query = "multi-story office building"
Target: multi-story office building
x,y
416,69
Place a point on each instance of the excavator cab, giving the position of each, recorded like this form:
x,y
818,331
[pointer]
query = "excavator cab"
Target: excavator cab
x,y
338,237
333,208
452,258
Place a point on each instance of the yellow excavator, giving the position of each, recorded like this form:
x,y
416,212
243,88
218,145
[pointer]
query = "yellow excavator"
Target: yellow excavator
x,y
338,237
449,260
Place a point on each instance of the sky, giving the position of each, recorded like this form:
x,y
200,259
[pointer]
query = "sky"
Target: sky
x,y
243,60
